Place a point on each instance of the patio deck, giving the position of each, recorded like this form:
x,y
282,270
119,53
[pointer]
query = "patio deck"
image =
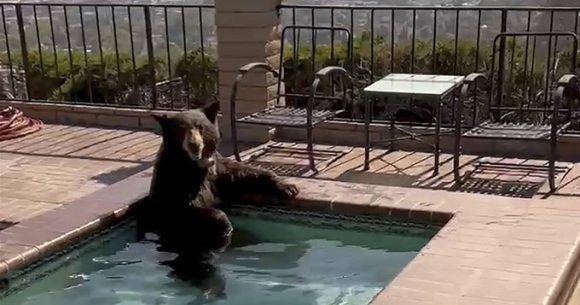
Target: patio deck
x,y
61,163
510,177
497,250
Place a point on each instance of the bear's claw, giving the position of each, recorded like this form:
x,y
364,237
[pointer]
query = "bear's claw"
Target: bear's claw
x,y
288,191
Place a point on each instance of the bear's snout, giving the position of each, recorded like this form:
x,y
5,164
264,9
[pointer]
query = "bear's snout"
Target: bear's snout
x,y
193,144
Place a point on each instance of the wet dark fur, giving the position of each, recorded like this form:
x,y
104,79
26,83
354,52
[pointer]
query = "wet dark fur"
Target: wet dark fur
x,y
182,204
184,194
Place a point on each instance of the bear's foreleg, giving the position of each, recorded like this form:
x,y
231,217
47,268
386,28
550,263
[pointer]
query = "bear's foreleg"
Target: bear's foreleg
x,y
236,181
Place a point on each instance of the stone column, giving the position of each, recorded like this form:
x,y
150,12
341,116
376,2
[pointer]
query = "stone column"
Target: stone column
x,y
247,31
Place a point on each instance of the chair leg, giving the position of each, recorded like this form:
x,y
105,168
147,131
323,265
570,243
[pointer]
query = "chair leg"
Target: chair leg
x,y
457,144
235,140
367,134
437,149
310,147
552,163
554,140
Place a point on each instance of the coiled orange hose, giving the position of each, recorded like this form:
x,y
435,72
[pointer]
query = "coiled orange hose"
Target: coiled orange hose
x,y
13,124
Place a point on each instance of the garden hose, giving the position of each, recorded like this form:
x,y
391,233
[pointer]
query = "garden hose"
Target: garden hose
x,y
13,124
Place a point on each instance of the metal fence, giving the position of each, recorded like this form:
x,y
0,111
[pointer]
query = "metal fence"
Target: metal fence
x,y
441,40
394,25
164,55
124,55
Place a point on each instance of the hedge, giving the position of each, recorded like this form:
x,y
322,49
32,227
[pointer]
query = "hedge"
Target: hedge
x,y
107,79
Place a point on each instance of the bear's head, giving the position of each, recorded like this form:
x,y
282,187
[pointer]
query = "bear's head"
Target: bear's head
x,y
192,134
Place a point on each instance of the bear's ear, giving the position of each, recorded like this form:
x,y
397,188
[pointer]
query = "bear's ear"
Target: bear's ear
x,y
211,111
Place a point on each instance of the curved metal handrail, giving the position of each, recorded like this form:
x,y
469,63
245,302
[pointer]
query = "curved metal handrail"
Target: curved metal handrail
x,y
243,72
324,73
321,74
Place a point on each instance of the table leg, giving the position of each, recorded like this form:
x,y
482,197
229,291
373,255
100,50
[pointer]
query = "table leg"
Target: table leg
x,y
392,133
457,144
367,132
437,137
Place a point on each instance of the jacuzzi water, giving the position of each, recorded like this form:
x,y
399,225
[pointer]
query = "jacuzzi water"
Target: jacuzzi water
x,y
274,258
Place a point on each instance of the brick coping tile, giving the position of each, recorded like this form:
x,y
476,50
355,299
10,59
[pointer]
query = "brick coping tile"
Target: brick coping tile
x,y
490,250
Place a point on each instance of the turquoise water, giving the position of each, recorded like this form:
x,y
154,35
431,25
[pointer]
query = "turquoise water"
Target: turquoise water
x,y
272,260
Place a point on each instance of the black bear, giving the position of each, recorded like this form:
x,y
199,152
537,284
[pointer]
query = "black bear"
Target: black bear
x,y
195,262
190,179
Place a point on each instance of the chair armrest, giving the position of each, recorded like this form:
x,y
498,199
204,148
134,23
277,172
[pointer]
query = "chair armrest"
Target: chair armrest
x,y
326,71
568,85
473,77
243,71
567,80
258,65
470,80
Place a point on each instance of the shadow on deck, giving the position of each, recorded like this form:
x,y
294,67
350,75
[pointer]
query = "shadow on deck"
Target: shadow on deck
x,y
511,177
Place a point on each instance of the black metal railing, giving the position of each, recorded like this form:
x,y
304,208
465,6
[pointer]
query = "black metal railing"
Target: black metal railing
x,y
140,55
441,40
154,56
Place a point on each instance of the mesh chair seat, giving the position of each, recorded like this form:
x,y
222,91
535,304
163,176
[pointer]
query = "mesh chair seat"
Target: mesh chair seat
x,y
287,116
510,130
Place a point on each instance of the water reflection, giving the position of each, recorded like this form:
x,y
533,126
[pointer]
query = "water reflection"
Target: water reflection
x,y
267,262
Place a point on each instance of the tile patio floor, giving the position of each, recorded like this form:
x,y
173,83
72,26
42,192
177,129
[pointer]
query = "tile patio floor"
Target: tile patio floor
x,y
61,163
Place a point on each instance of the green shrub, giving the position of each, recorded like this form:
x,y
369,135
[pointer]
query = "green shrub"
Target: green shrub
x,y
108,80
298,73
200,74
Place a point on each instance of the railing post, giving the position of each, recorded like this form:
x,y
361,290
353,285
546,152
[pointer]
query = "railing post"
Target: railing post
x,y
501,64
150,54
23,46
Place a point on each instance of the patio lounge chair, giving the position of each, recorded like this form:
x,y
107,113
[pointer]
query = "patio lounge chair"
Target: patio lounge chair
x,y
525,121
296,116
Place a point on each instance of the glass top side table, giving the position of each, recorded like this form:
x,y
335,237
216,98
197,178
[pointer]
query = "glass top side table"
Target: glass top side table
x,y
427,86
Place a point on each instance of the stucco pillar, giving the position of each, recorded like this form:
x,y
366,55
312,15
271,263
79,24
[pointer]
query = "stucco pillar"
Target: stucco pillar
x,y
247,31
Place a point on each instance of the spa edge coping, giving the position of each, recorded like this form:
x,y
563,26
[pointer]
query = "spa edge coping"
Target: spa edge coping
x,y
30,240
463,258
